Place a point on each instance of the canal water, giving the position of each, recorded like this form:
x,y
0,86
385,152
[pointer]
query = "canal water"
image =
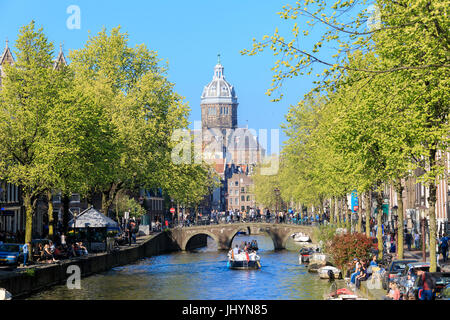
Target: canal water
x,y
202,274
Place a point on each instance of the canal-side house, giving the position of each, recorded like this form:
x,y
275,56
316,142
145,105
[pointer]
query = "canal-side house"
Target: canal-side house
x,y
415,199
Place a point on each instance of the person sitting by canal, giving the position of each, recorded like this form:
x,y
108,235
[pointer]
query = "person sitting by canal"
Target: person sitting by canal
x,y
40,252
362,274
356,270
82,251
48,255
374,262
72,251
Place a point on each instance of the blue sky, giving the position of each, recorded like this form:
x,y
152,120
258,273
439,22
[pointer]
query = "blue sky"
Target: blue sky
x,y
186,34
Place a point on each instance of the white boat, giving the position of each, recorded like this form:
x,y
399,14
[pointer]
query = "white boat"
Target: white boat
x,y
5,295
301,237
347,297
243,261
324,274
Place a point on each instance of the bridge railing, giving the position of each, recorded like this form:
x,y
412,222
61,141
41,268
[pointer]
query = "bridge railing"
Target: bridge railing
x,y
263,219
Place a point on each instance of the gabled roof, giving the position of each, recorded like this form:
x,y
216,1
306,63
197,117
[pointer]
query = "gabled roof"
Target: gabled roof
x,y
92,218
6,55
60,60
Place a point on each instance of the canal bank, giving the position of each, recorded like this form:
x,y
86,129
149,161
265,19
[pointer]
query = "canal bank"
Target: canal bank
x,y
33,279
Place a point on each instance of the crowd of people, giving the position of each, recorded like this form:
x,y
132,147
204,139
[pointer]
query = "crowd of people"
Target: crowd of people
x,y
256,215
48,252
362,270
246,251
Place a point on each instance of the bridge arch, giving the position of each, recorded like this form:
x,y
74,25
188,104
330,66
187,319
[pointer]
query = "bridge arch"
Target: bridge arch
x,y
185,243
223,234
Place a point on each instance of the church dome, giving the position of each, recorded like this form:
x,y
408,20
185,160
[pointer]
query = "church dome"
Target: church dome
x,y
218,90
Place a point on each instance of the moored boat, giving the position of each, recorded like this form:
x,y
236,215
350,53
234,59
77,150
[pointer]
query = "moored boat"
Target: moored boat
x,y
301,237
304,255
328,272
343,294
5,295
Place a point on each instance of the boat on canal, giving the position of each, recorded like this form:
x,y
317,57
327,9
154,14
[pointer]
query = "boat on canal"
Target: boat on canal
x,y
343,294
329,272
243,260
305,254
301,237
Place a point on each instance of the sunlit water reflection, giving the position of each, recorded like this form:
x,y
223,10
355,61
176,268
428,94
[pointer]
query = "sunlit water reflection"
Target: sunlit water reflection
x,y
202,274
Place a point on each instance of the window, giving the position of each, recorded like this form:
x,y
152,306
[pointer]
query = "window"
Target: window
x,y
242,189
236,201
236,192
75,198
212,111
248,198
242,198
236,183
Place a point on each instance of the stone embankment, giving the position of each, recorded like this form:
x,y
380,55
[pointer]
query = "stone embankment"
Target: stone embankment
x,y
32,279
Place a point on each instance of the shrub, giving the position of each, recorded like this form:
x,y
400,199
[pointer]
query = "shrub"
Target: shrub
x,y
346,247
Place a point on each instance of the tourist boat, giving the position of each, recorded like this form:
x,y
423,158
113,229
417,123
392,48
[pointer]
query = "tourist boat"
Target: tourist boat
x,y
301,237
244,261
329,271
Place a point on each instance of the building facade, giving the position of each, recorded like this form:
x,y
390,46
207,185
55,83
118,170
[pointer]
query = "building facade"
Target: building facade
x,y
232,150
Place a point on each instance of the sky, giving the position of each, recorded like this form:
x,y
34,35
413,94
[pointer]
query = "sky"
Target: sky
x,y
186,34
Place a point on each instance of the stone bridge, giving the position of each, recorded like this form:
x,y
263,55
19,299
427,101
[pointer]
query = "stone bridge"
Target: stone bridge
x,y
223,234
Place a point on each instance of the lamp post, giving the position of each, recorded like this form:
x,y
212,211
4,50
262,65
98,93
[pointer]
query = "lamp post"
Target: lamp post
x,y
423,221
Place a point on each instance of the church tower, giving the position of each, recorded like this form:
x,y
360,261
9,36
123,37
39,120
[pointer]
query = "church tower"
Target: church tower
x,y
219,102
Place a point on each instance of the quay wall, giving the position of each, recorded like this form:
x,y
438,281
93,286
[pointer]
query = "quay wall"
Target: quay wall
x,y
41,277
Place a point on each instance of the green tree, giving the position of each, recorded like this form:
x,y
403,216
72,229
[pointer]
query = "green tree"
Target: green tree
x,y
131,88
31,91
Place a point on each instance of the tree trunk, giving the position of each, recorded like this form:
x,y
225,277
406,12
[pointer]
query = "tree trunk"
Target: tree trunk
x,y
332,210
66,212
338,211
27,201
432,215
108,197
50,214
347,215
400,222
379,222
368,212
359,225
